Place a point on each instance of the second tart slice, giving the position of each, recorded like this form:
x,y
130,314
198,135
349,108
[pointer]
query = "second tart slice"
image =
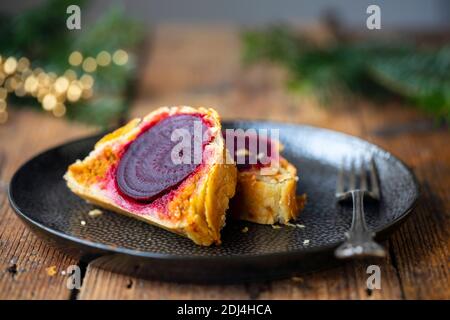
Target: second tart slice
x,y
266,181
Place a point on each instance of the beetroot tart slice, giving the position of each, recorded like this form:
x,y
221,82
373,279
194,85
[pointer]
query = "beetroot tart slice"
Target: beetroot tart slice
x,y
170,169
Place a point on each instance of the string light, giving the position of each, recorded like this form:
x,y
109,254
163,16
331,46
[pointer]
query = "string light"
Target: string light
x,y
59,110
20,91
75,58
89,64
61,85
31,84
74,92
87,93
41,93
10,84
87,81
26,73
50,89
120,57
23,64
103,58
49,102
70,74
10,65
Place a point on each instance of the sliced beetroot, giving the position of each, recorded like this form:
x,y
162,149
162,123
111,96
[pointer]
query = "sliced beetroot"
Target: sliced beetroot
x,y
147,170
253,150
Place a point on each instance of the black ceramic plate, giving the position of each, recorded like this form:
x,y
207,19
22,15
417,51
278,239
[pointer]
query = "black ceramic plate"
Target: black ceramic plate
x,y
40,197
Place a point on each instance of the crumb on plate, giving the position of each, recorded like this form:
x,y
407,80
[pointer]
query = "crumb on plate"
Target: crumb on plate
x,y
95,213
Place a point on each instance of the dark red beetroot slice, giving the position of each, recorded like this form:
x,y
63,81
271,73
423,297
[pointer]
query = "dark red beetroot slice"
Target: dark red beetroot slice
x,y
253,151
146,170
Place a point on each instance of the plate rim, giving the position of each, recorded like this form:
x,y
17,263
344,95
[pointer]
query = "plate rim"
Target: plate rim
x,y
240,257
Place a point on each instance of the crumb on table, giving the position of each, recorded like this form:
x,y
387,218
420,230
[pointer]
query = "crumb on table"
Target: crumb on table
x,y
51,271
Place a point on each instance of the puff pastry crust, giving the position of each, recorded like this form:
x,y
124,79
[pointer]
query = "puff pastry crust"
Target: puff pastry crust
x,y
195,209
268,198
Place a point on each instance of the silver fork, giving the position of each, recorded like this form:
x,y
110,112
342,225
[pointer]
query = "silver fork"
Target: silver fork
x,y
359,239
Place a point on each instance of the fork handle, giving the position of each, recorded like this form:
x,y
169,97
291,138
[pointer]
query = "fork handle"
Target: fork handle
x,y
359,227
359,241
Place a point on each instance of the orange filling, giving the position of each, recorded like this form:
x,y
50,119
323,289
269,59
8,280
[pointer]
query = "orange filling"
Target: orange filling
x,y
94,170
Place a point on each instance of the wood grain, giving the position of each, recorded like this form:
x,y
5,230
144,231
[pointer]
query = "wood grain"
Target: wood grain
x,y
346,282
200,66
248,93
24,258
421,246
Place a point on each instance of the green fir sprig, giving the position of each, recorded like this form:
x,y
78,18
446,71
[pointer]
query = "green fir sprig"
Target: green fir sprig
x,y
376,70
40,34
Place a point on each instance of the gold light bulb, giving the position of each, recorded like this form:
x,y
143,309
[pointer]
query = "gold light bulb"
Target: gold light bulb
x,y
49,102
23,64
11,84
70,74
120,57
103,58
41,93
59,110
74,92
75,58
87,81
61,85
26,73
20,91
31,84
87,93
10,65
89,64
43,79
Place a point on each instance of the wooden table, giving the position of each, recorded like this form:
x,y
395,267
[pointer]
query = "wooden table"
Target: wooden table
x,y
201,66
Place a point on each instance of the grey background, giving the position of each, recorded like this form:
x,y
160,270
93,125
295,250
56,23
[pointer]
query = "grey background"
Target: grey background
x,y
399,14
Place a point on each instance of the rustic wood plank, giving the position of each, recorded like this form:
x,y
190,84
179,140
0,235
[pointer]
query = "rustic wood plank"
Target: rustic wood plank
x,y
421,246
24,257
346,282
201,67
417,267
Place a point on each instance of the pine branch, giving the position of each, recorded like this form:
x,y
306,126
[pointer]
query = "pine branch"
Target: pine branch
x,y
372,70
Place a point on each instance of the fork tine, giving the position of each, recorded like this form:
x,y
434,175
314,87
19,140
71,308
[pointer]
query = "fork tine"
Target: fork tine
x,y
340,180
352,180
375,189
363,175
